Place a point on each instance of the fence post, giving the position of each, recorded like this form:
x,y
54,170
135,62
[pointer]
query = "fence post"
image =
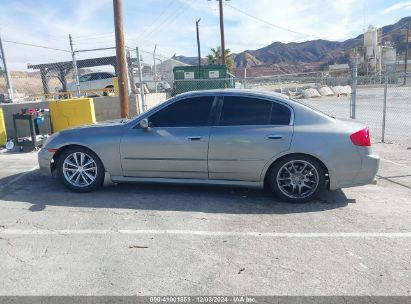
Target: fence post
x,y
73,56
7,72
354,88
140,73
384,111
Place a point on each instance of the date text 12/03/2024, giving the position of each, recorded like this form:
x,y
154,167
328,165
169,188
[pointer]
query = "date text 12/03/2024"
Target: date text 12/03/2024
x,y
203,299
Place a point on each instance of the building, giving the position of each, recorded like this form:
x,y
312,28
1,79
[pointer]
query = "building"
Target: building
x,y
336,70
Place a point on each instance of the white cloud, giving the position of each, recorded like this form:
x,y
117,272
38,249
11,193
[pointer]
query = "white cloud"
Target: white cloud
x,y
171,24
396,7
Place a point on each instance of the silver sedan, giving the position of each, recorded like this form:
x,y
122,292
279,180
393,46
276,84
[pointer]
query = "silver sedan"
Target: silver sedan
x,y
220,137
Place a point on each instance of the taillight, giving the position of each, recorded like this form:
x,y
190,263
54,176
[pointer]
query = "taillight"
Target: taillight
x,y
361,138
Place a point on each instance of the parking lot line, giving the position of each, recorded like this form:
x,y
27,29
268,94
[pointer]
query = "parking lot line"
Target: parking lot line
x,y
209,233
395,163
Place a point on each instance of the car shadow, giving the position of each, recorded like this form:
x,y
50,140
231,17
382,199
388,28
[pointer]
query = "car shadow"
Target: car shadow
x,y
41,192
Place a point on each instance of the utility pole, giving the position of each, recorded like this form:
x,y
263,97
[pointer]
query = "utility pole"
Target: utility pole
x,y
222,32
140,72
354,86
73,56
155,67
121,58
198,47
6,71
406,55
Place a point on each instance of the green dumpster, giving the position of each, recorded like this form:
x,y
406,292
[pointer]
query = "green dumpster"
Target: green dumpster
x,y
207,77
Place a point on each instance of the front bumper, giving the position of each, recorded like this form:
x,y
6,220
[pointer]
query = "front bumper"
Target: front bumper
x,y
45,159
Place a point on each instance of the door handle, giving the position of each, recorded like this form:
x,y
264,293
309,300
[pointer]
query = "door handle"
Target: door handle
x,y
194,138
276,136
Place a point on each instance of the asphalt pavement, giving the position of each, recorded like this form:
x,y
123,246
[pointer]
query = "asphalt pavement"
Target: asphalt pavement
x,y
140,239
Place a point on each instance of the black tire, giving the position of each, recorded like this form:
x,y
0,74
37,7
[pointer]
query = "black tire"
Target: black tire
x,y
107,87
99,172
275,178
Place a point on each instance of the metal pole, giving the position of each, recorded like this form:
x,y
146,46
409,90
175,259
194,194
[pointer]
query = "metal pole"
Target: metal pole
x,y
222,32
406,55
198,47
354,87
121,58
155,67
73,56
140,72
384,112
8,78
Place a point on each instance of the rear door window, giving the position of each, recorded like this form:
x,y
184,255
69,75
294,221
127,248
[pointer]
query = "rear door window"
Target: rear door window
x,y
95,76
85,78
239,110
106,76
280,115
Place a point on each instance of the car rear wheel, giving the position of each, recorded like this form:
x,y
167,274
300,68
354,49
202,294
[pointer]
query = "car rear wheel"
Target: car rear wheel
x,y
107,87
297,178
80,169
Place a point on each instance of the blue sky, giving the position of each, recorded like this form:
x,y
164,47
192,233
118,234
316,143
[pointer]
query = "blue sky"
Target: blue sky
x,y
171,24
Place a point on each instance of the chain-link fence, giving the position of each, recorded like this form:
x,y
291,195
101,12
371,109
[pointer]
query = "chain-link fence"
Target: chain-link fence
x,y
30,84
153,72
58,73
381,102
397,114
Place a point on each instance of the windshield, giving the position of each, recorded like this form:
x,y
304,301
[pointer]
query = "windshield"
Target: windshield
x,y
306,103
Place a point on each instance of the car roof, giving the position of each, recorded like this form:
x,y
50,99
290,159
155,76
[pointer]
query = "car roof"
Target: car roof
x,y
247,92
91,73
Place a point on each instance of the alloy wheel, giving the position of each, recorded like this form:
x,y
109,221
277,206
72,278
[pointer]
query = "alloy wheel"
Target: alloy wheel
x,y
297,179
80,169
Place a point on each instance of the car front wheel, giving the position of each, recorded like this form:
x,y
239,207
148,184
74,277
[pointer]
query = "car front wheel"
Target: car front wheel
x,y
297,178
80,169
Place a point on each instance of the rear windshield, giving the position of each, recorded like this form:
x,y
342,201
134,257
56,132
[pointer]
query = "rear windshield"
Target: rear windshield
x,y
310,107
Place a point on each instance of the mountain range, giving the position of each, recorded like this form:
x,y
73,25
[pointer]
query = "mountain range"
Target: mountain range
x,y
309,55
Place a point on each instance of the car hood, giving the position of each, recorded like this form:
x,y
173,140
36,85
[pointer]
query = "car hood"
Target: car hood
x,y
106,123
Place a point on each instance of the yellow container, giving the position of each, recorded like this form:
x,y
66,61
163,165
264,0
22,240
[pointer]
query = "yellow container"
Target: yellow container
x,y
68,113
3,133
115,85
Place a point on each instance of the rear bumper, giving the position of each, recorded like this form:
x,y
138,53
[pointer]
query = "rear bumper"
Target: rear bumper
x,y
369,169
45,159
366,175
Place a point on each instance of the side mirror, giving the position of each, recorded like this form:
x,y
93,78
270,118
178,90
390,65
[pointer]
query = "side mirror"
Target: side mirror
x,y
144,123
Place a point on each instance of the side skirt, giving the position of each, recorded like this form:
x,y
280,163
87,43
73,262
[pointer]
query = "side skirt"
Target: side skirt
x,y
189,181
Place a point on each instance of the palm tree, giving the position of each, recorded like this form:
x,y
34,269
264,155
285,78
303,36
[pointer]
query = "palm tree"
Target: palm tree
x,y
215,57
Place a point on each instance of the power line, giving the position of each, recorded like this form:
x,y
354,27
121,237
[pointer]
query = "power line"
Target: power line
x,y
94,35
271,24
106,36
94,38
161,14
171,17
147,32
36,45
296,32
393,30
162,26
